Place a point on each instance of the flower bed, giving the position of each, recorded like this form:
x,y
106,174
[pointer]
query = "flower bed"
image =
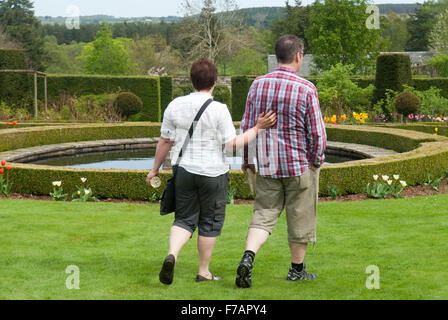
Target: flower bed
x,y
421,153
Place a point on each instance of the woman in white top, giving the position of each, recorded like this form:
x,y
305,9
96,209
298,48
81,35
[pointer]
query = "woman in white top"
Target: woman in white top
x,y
202,176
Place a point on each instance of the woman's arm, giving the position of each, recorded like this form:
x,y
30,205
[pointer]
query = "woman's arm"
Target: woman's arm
x,y
163,149
264,122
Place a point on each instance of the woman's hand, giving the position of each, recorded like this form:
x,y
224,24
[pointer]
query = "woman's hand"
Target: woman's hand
x,y
152,174
266,121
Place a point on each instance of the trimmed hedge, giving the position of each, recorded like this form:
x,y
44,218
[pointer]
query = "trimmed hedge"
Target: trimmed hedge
x,y
413,166
146,88
392,72
15,88
220,94
423,84
166,93
240,90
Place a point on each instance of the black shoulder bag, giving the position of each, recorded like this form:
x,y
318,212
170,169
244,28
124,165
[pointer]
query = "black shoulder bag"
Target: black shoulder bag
x,y
168,202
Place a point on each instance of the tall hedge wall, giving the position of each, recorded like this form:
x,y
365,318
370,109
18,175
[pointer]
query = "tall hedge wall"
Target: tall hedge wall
x,y
426,83
166,92
240,90
392,72
15,88
147,88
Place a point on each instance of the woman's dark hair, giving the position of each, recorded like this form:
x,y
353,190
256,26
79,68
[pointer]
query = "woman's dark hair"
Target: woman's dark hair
x,y
287,47
203,74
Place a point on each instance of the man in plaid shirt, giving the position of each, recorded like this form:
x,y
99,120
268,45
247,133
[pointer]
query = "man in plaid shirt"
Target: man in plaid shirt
x,y
289,157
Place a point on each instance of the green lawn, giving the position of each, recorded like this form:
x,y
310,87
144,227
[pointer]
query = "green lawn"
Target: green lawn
x,y
119,249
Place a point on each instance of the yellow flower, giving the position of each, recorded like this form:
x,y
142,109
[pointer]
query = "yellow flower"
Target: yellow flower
x,y
344,117
333,118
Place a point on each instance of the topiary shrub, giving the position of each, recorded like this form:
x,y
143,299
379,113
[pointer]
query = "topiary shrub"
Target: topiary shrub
x,y
128,104
407,103
222,94
392,72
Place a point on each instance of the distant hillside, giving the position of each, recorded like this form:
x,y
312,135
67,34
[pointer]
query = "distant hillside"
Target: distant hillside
x,y
252,16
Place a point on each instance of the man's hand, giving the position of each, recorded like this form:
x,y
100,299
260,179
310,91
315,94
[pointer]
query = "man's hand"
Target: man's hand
x,y
245,167
152,174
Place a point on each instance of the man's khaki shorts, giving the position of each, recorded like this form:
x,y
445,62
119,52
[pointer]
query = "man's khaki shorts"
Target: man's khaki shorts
x,y
299,195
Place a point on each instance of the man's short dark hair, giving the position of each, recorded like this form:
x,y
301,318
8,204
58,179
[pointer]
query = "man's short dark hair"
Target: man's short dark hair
x,y
287,47
203,74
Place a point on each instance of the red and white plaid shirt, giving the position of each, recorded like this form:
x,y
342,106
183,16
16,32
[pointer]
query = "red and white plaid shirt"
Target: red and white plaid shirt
x,y
298,141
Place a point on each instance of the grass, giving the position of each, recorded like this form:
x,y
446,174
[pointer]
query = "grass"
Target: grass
x,y
119,249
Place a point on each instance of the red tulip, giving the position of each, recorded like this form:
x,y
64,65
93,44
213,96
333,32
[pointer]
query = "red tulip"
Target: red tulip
x,y
8,168
7,123
3,163
14,123
2,171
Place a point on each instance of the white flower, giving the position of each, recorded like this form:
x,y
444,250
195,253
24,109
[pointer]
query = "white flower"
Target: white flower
x,y
389,182
385,178
57,183
86,191
396,176
375,177
403,184
79,192
83,180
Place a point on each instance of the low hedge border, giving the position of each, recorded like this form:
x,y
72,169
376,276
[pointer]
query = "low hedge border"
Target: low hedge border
x,y
430,155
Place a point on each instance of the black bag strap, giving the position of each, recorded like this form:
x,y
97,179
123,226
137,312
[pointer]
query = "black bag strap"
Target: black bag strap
x,y
192,127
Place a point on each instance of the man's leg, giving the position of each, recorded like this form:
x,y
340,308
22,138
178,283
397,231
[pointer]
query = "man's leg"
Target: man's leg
x,y
301,214
255,239
269,204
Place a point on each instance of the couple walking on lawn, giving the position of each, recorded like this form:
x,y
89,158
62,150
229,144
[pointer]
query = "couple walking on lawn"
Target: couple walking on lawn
x,y
282,129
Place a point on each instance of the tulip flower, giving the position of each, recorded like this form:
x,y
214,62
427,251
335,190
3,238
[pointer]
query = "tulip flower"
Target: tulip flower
x,y
83,180
389,182
396,176
375,177
14,123
8,168
86,191
57,183
403,184
385,178
3,163
7,123
2,171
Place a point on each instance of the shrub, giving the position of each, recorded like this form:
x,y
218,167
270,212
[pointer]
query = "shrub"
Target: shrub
x,y
222,94
240,90
440,64
15,88
128,104
166,92
182,90
339,95
432,101
392,72
407,103
146,88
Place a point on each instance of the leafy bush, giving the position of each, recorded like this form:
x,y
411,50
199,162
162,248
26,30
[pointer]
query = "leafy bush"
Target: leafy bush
x,y
407,103
128,104
84,108
432,101
340,95
440,64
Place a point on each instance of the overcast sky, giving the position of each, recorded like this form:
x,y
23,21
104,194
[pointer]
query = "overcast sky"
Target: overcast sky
x,y
148,8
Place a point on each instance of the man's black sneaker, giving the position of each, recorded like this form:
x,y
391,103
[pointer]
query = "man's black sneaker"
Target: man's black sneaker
x,y
295,275
167,273
244,272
